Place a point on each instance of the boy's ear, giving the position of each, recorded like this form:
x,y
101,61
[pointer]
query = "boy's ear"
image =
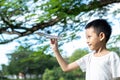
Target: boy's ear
x,y
102,36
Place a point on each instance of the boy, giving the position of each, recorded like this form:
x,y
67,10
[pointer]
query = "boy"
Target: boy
x,y
101,64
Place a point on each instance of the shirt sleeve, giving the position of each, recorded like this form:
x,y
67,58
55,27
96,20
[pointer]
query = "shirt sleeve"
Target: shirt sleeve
x,y
115,65
82,62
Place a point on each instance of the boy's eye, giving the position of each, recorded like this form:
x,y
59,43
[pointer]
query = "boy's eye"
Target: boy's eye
x,y
89,36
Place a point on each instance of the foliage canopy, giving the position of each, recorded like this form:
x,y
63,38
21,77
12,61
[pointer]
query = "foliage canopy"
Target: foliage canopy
x,y
19,18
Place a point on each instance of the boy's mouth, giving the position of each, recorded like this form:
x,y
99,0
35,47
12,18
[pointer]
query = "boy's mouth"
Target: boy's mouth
x,y
89,45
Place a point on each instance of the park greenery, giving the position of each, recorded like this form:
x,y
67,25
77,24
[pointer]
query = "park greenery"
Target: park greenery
x,y
20,19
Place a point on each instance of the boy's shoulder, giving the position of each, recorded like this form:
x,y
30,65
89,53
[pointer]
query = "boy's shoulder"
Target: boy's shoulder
x,y
88,55
111,54
114,55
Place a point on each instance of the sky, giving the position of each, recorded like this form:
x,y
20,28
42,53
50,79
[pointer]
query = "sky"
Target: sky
x,y
4,49
75,44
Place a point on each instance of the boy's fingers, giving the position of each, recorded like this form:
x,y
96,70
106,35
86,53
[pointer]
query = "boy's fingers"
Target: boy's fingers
x,y
52,41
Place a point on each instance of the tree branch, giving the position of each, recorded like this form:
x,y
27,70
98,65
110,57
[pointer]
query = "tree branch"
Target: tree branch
x,y
91,6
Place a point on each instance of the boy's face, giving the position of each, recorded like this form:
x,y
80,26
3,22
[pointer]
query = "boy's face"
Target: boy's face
x,y
93,40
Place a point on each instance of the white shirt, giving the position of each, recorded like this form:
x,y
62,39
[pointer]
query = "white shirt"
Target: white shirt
x,y
105,67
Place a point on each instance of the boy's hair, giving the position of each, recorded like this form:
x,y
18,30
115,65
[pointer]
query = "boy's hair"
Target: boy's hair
x,y
100,25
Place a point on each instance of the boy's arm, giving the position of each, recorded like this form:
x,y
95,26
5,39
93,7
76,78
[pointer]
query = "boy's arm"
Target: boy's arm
x,y
63,64
118,78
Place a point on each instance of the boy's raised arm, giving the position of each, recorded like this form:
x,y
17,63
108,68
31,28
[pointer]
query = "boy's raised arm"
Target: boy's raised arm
x,y
63,64
118,78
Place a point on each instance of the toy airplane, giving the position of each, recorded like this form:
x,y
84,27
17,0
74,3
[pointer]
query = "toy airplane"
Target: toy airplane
x,y
48,35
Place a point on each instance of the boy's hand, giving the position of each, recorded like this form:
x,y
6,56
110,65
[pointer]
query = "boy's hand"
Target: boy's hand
x,y
54,44
53,41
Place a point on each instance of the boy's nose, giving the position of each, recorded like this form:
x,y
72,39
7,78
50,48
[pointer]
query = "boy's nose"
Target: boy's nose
x,y
87,41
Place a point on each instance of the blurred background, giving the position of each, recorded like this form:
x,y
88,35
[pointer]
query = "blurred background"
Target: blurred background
x,y
25,55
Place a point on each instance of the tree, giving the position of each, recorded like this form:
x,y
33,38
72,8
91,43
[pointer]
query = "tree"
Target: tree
x,y
57,74
4,69
41,61
30,62
78,53
16,64
113,44
20,18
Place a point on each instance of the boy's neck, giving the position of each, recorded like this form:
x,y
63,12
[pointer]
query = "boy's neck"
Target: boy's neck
x,y
101,51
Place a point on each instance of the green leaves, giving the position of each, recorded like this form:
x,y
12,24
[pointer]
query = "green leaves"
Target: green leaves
x,y
31,62
78,54
13,7
23,17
